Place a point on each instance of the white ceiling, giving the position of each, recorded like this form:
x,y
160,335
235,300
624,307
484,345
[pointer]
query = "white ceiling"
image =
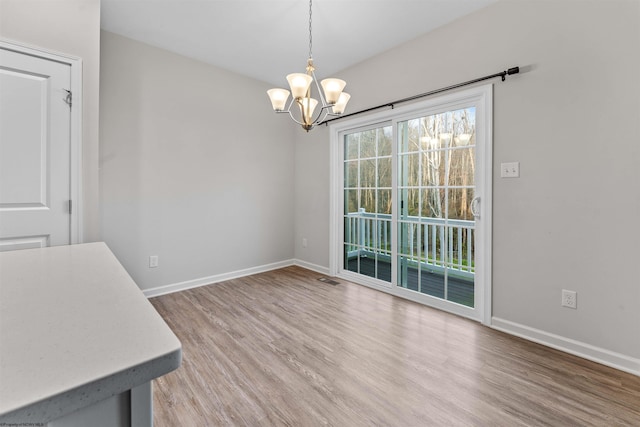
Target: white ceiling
x,y
268,39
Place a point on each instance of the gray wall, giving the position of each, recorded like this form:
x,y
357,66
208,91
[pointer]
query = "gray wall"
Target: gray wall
x,y
190,179
571,120
71,27
195,167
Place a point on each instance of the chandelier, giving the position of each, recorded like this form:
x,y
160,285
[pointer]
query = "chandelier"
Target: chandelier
x,y
333,101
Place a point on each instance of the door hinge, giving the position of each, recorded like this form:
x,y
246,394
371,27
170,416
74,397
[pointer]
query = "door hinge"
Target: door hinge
x,y
69,98
70,206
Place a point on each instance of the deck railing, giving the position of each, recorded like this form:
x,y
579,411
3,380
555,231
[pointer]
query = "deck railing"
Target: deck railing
x,y
434,243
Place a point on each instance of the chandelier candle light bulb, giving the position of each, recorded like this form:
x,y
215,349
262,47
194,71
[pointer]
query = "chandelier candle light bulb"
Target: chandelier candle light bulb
x,y
299,84
278,98
333,102
307,106
342,103
332,89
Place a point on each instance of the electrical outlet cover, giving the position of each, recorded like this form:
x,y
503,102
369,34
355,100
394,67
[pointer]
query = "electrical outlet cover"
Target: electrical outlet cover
x,y
569,299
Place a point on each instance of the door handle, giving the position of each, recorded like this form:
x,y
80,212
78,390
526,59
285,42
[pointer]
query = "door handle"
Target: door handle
x,y
475,207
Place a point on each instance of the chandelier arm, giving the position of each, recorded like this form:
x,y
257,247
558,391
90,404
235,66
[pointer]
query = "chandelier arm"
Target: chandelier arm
x,y
293,118
290,104
331,113
322,100
302,110
326,108
291,114
288,110
319,118
324,119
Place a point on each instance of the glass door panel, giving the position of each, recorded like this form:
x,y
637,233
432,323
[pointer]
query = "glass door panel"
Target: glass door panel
x,y
368,202
436,170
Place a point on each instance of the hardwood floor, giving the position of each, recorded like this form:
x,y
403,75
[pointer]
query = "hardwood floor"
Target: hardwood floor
x,y
282,348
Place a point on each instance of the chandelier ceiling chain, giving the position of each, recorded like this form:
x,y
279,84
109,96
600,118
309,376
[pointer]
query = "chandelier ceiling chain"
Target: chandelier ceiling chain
x,y
310,33
333,99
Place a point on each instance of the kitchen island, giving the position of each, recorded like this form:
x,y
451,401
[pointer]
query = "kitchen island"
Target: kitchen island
x,y
79,342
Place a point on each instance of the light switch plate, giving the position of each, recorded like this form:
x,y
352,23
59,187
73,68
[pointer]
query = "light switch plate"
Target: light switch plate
x,y
510,170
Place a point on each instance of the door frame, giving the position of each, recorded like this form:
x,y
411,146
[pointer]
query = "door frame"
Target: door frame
x,y
481,96
76,234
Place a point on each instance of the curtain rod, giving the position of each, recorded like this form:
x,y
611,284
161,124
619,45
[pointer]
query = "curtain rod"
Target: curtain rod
x,y
502,74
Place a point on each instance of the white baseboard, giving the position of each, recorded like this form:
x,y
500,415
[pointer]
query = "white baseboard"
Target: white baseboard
x,y
577,348
195,283
309,266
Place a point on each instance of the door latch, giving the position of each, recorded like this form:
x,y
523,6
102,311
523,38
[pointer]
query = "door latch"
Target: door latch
x,y
475,207
69,98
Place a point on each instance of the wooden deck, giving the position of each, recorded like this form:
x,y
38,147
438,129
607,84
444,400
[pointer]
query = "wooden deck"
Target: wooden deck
x,y
458,290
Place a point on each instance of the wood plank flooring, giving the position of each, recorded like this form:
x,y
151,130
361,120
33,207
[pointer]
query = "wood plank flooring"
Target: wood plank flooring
x,y
284,349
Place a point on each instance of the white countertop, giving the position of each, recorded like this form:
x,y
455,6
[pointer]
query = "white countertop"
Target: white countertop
x,y
74,329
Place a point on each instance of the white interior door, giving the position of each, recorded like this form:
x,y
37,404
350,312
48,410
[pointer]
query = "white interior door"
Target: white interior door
x,y
35,143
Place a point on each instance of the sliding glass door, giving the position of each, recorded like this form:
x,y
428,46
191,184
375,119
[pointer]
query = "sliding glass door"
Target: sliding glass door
x,y
411,193
436,183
